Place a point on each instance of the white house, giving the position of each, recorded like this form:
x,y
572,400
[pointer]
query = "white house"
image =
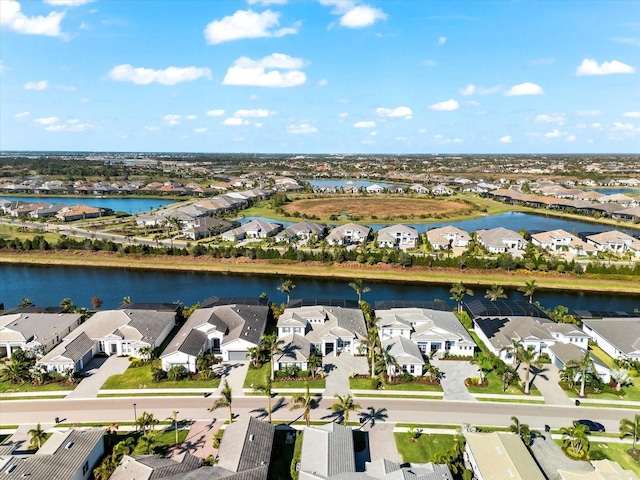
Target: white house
x,y
406,355
555,240
398,236
348,234
374,189
254,229
448,236
618,337
500,240
296,351
39,332
301,231
612,241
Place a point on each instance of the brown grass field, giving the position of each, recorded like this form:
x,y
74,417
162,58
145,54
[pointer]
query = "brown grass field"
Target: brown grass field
x,y
377,206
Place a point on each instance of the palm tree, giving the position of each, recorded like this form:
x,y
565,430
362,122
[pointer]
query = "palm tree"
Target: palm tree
x,y
522,430
414,433
286,287
38,436
314,362
575,438
146,421
482,360
146,352
359,288
111,431
631,428
26,302
273,346
344,406
174,421
458,291
125,447
585,366
67,305
148,443
527,356
266,391
15,373
105,469
370,342
224,401
529,289
304,401
255,356
495,292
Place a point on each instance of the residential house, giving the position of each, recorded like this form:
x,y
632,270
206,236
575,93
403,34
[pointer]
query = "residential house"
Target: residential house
x,y
434,332
301,231
383,469
110,332
442,191
374,189
418,189
295,353
618,337
255,229
500,455
604,470
444,238
327,450
71,455
39,332
348,234
501,240
563,353
154,467
225,330
398,236
206,227
330,326
558,240
71,213
406,355
246,448
611,241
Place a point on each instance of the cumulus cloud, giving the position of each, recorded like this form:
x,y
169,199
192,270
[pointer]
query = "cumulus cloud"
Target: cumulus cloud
x,y
22,115
631,114
41,85
12,16
200,130
591,67
505,139
555,133
215,113
168,76
354,14
472,89
571,138
446,106
558,118
172,119
403,112
46,120
301,129
151,128
323,82
526,88
191,117
442,40
363,124
257,113
54,124
276,70
343,115
246,24
67,3
235,121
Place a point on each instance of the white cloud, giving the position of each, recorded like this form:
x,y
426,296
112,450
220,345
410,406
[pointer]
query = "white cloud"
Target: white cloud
x,y
72,125
276,70
266,3
472,89
41,85
12,16
627,41
215,113
505,139
446,106
151,128
457,140
442,40
404,112
589,113
172,119
631,114
558,118
235,121
191,117
257,113
258,124
373,134
168,76
555,133
526,88
429,63
571,138
200,130
422,131
67,3
301,129
542,61
323,82
343,115
46,120
363,124
22,115
591,67
354,14
597,126
246,24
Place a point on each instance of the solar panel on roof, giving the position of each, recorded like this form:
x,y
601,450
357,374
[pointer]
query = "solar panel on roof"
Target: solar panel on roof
x,y
502,308
327,302
585,314
434,305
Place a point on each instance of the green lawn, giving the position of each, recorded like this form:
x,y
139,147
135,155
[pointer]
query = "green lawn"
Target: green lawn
x,y
618,453
6,387
629,393
602,356
426,449
140,377
495,387
413,387
363,383
257,376
260,375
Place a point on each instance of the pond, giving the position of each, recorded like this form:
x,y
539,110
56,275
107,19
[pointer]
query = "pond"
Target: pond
x,y
117,204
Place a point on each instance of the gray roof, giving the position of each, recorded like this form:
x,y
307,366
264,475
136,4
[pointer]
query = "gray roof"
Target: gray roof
x,y
154,467
327,450
296,348
246,445
337,320
40,327
61,456
501,331
384,469
567,352
426,322
403,350
78,347
622,333
304,227
495,236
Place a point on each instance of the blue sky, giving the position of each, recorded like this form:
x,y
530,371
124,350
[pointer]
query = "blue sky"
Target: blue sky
x,y
320,76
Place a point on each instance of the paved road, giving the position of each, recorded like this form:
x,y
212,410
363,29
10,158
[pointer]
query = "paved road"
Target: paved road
x,y
398,410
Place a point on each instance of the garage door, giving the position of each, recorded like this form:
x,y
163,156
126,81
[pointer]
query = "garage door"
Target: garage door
x,y
237,356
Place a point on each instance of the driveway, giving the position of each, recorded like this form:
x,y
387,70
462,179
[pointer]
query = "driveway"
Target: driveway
x,y
382,443
546,380
199,441
338,369
551,458
234,373
96,373
454,373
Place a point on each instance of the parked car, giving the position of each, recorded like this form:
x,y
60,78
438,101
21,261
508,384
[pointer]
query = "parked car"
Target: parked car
x,y
592,426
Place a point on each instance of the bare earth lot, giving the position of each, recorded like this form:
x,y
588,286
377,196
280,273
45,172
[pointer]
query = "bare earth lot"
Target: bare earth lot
x,y
380,207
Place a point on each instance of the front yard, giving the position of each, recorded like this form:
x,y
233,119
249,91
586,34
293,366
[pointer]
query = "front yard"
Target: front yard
x,y
494,386
141,378
259,376
8,387
432,447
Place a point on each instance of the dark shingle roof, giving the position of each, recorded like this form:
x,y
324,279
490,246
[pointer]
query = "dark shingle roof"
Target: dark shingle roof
x,y
160,307
311,302
78,347
216,301
435,305
503,308
246,445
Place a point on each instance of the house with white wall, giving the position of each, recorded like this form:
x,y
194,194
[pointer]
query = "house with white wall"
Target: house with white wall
x,y
398,236
348,234
618,337
449,236
500,240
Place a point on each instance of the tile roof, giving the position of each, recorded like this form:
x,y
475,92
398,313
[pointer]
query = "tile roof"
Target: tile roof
x,y
246,445
327,450
154,467
622,333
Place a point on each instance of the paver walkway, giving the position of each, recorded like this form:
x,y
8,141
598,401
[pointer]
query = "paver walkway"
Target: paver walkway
x,y
382,443
234,373
454,374
339,368
546,380
199,441
97,371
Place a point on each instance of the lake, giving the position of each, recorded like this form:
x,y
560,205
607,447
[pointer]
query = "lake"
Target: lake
x,y
117,204
47,286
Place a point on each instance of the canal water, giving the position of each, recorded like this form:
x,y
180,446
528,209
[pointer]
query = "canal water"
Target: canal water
x,y
47,286
117,204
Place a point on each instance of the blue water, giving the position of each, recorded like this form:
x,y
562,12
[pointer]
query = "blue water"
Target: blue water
x,y
128,205
512,220
47,286
343,183
613,191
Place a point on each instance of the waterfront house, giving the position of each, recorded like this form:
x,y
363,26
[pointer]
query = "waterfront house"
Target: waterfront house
x,y
148,467
500,240
255,229
204,227
418,189
563,353
407,357
301,231
348,234
560,240
618,337
71,213
613,241
296,351
398,236
446,237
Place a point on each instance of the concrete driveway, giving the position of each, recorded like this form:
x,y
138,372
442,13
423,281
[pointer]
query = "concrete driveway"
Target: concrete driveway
x,y
96,373
546,380
550,458
338,369
454,373
234,373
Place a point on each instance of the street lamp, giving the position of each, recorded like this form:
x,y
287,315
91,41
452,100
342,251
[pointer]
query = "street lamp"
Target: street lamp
x,y
135,417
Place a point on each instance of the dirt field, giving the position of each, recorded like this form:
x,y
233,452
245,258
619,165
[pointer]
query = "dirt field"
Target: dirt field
x,y
383,207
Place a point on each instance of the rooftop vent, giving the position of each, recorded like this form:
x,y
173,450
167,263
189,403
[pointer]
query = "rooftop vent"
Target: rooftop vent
x,y
69,445
251,437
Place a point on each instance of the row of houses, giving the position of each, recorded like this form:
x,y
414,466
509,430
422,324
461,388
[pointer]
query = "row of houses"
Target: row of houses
x,y
121,187
60,211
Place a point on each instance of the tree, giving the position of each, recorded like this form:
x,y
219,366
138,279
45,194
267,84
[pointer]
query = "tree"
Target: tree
x,y
286,287
38,436
146,352
370,342
174,422
147,443
359,288
631,428
414,434
344,406
125,447
105,469
96,302
528,356
522,430
575,439
273,346
305,402
67,305
266,391
314,362
225,400
620,376
26,302
204,362
495,292
585,367
458,291
146,421
529,289
482,360
126,300
111,429
255,356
